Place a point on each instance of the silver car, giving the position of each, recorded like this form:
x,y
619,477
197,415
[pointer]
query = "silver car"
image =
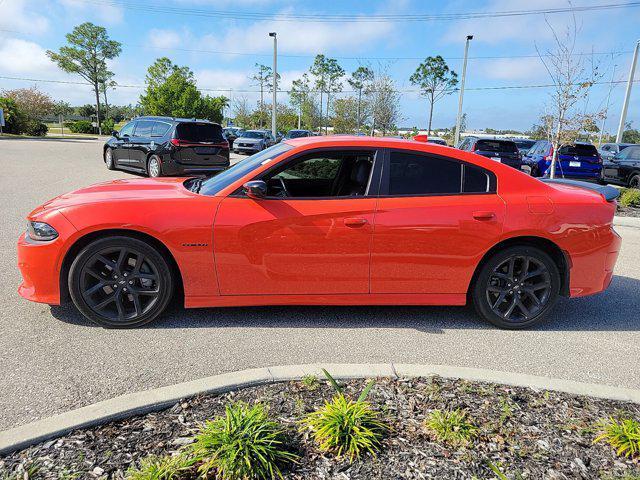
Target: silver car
x,y
253,141
609,150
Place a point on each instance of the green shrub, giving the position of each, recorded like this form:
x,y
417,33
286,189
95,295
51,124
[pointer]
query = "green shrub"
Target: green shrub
x,y
36,128
344,426
630,197
623,435
310,382
81,126
451,427
244,444
161,468
107,126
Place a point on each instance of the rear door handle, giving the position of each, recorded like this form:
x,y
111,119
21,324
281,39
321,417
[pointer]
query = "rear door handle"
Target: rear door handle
x,y
355,222
482,215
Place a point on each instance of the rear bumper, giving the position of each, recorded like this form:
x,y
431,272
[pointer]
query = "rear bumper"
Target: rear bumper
x,y
592,266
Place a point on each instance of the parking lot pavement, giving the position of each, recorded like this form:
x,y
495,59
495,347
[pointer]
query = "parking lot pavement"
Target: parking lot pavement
x,y
52,360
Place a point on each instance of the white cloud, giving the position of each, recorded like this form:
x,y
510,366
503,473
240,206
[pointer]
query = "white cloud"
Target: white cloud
x,y
513,69
223,79
17,16
105,13
25,58
163,38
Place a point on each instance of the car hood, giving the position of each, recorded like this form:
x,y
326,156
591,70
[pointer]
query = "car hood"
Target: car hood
x,y
124,189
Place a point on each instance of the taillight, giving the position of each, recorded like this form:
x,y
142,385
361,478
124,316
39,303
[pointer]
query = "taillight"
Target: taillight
x,y
175,142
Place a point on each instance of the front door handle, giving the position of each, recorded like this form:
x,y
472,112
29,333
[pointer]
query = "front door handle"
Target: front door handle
x,y
482,215
355,222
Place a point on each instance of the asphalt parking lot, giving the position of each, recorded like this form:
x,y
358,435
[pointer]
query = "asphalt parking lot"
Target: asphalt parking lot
x,y
52,360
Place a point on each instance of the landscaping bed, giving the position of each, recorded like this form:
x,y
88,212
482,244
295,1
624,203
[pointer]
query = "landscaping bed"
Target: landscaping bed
x,y
503,432
629,203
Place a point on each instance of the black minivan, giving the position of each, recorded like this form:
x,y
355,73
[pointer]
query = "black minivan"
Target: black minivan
x,y
158,146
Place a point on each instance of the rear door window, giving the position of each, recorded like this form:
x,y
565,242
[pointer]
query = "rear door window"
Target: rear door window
x,y
144,128
199,132
160,129
418,174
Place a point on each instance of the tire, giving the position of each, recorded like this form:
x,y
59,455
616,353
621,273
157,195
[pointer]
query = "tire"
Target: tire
x,y
154,167
634,181
535,171
108,159
120,282
507,301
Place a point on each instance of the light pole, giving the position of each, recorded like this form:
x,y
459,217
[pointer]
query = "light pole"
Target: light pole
x,y
627,96
606,108
275,83
456,137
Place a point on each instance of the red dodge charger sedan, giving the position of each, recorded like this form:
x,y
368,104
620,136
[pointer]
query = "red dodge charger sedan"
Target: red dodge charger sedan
x,y
325,221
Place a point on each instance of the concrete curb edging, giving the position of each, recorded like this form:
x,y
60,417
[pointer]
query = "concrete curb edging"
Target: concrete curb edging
x,y
156,399
633,222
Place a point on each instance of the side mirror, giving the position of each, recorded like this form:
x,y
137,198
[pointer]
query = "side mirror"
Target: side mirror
x,y
255,189
114,133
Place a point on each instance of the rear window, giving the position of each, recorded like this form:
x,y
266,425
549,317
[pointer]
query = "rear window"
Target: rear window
x,y
579,150
499,146
199,132
296,134
524,143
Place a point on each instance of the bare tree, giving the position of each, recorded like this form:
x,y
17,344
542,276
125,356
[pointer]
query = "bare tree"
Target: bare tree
x,y
572,76
384,100
241,111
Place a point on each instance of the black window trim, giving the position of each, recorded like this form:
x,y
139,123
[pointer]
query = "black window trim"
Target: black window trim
x,y
373,187
386,168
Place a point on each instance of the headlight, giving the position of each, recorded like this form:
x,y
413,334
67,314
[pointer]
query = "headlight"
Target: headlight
x,y
41,231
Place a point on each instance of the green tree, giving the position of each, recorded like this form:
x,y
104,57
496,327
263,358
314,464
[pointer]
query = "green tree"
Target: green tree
x,y
631,135
328,74
171,90
346,115
302,99
88,49
435,80
15,120
263,78
359,79
87,110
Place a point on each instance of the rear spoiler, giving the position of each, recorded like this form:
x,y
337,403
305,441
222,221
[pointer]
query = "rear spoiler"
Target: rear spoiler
x,y
608,192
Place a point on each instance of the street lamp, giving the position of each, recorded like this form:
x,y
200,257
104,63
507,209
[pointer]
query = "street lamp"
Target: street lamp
x,y
627,95
275,83
456,137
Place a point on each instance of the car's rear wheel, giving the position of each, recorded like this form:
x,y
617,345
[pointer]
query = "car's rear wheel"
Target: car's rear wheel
x,y
154,166
516,287
108,159
120,282
634,182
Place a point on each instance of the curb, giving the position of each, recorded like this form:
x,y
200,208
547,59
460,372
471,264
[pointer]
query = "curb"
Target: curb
x,y
156,399
633,222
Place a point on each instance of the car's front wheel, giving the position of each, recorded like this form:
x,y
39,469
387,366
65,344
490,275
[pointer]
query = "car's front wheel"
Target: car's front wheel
x,y
120,282
516,287
108,159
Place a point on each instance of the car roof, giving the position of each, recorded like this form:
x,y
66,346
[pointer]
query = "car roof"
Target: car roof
x,y
356,140
175,119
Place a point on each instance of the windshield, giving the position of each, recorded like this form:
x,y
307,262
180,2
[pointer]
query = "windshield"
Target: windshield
x,y
496,146
199,132
212,185
253,135
579,150
296,134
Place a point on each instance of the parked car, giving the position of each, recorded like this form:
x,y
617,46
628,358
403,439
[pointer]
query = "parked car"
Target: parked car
x,y
158,146
297,134
624,168
231,133
253,141
437,141
523,145
498,150
575,160
610,150
325,221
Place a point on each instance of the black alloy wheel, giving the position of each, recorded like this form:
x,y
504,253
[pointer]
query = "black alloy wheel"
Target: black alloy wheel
x,y
516,287
634,182
120,282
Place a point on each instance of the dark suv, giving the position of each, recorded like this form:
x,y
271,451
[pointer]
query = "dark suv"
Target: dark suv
x,y
158,146
499,150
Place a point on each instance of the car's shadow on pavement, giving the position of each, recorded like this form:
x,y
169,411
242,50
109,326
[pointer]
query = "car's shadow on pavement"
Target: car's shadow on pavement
x,y
614,310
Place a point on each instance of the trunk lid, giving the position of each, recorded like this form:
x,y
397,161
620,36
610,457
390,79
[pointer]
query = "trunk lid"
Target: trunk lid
x,y
201,144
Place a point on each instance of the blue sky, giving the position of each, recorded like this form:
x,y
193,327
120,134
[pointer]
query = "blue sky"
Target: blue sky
x,y
29,27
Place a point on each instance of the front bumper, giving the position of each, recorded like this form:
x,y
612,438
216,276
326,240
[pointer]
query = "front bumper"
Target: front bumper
x,y
40,274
